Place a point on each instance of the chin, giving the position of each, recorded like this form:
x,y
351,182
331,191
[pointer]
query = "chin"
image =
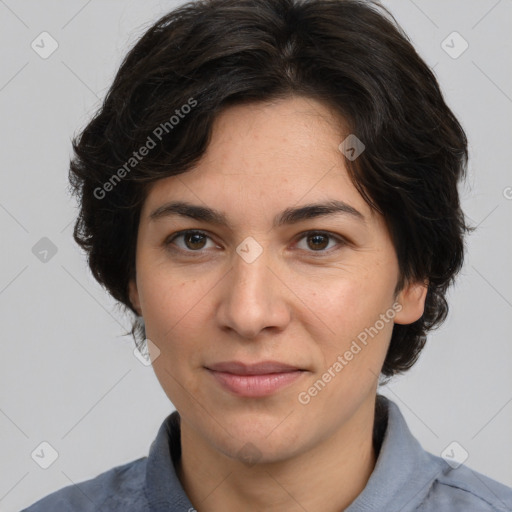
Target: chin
x,y
260,451
262,441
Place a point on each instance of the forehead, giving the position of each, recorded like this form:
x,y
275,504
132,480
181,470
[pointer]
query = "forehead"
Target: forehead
x,y
264,156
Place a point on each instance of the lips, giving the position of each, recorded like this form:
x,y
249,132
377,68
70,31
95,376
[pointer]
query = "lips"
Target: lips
x,y
262,368
254,380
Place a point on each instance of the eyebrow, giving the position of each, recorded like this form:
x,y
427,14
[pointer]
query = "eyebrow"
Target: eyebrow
x,y
286,217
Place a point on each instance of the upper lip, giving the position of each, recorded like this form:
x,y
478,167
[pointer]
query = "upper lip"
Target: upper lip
x,y
261,368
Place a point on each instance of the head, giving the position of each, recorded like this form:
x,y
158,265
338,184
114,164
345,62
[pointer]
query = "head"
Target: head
x,y
310,151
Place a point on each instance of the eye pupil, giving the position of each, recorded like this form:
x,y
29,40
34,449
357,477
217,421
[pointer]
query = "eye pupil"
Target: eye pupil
x,y
194,237
318,238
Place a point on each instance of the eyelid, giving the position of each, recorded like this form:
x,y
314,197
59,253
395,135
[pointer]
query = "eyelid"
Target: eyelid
x,y
184,232
342,241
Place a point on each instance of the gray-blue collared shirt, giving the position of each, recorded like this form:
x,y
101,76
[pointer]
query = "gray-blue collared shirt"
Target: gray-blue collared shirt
x,y
406,478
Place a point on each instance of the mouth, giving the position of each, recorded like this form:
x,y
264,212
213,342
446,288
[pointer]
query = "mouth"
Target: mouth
x,y
254,380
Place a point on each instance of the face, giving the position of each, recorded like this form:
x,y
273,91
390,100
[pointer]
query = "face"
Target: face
x,y
272,318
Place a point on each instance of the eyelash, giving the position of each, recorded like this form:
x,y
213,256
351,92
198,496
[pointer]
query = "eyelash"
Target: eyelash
x,y
341,242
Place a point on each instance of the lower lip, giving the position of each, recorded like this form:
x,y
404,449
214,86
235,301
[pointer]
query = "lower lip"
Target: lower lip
x,y
256,385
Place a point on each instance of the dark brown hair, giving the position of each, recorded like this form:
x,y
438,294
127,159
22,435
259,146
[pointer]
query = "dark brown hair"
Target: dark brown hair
x,y
348,54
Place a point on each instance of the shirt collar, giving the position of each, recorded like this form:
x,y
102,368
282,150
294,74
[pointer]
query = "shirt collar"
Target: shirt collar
x,y
163,488
404,471
400,480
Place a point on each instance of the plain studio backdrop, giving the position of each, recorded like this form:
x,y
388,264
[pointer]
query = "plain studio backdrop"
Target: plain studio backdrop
x,y
68,376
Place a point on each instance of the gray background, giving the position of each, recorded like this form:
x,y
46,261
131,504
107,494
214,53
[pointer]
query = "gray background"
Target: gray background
x,y
69,377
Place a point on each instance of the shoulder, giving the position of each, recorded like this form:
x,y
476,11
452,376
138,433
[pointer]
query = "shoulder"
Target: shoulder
x,y
463,489
120,488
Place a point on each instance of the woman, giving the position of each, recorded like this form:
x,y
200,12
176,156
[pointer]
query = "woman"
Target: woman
x,y
270,186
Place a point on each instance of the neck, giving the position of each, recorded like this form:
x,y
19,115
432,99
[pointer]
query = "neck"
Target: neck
x,y
327,477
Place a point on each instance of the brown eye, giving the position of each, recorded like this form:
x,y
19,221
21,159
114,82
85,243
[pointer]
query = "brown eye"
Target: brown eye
x,y
318,241
194,240
188,241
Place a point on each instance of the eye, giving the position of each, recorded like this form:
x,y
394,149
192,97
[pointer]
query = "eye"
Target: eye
x,y
319,241
195,241
192,240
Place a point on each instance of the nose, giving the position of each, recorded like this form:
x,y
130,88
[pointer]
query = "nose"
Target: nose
x,y
253,298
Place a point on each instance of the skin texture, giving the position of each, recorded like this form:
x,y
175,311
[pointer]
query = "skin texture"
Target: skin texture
x,y
303,302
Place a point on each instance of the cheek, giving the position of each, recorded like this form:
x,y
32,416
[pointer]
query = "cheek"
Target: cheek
x,y
354,301
174,315
352,307
167,293
171,309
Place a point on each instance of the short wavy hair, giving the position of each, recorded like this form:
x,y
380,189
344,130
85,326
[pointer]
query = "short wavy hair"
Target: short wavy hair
x,y
211,54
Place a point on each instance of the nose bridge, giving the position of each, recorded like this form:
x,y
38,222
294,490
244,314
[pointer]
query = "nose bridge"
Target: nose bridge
x,y
252,302
250,274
